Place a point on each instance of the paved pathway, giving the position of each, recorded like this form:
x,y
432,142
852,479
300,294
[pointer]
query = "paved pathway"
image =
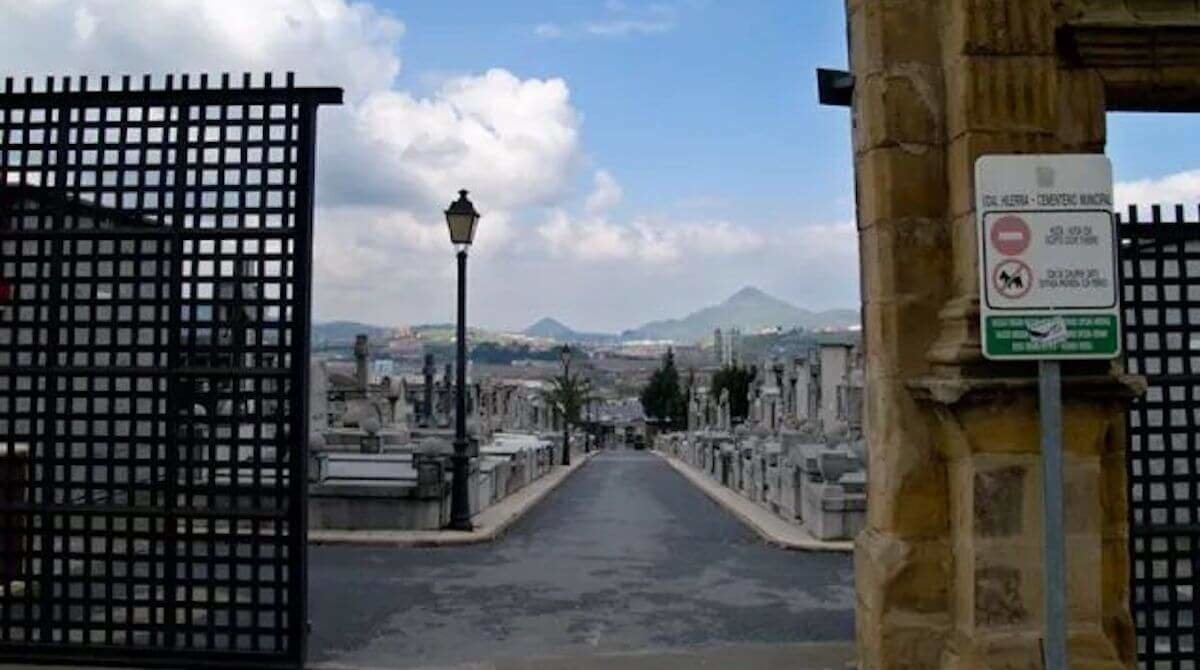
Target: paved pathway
x,y
626,556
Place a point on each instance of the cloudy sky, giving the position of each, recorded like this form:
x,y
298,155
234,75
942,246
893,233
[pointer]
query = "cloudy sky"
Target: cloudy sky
x,y
633,160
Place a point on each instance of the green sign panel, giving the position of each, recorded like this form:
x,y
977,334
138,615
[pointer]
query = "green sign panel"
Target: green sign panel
x,y
1067,336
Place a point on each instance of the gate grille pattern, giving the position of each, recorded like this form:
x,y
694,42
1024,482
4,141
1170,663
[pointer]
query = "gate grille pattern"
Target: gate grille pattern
x,y
1160,267
155,258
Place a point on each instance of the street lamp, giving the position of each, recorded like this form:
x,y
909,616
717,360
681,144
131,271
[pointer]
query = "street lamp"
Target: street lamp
x,y
590,444
565,355
462,220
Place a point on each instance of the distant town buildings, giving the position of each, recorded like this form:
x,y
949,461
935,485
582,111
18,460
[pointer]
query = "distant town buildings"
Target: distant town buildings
x,y
727,345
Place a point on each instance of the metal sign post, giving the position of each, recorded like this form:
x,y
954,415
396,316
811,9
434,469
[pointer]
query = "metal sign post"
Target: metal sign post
x,y
1048,284
1050,409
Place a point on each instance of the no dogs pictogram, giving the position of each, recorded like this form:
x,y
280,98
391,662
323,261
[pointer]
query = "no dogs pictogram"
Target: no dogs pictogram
x,y
1013,279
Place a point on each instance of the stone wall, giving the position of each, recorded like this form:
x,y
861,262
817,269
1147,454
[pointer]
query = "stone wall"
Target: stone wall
x,y
949,568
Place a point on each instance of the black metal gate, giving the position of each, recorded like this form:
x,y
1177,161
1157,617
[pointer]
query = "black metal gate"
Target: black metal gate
x,y
1160,267
155,257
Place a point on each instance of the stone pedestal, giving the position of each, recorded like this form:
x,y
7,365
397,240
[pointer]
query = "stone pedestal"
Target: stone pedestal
x,y
987,433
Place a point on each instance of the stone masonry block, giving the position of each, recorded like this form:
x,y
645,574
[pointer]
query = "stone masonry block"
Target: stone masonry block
x,y
964,261
901,183
902,589
905,258
898,332
999,27
1007,424
1082,122
1114,579
1081,490
889,33
1084,590
1133,12
995,497
999,501
1002,94
903,107
1114,494
1002,585
903,465
1085,426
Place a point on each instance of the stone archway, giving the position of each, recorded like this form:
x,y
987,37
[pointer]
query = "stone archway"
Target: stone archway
x,y
949,569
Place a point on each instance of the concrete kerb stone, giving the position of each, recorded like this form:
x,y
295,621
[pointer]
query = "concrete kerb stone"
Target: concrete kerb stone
x,y
772,529
490,524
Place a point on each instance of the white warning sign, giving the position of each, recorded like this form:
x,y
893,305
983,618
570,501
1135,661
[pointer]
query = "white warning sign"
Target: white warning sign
x,y
1047,257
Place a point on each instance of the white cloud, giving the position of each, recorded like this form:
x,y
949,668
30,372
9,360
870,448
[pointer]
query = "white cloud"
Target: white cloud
x,y
596,238
85,24
619,20
1182,188
548,30
831,245
606,193
652,20
512,141
325,41
627,27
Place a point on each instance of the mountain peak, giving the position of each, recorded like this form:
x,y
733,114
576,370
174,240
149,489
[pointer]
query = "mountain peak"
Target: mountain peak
x,y
748,293
549,328
547,321
750,309
553,329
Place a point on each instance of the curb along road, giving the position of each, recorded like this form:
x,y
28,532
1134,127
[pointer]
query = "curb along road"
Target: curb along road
x,y
771,528
490,524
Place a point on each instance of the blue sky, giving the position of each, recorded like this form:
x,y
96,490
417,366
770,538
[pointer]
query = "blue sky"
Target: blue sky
x,y
718,109
634,160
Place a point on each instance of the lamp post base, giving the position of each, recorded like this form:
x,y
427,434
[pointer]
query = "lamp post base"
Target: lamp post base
x,y
460,502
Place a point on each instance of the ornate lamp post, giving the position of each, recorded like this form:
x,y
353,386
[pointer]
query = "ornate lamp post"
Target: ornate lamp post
x,y
565,354
462,220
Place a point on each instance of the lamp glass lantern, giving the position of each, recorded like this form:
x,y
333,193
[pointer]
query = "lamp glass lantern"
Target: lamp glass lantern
x,y
462,219
565,355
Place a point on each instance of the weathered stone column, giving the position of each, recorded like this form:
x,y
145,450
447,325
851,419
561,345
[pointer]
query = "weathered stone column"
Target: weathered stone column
x,y
949,569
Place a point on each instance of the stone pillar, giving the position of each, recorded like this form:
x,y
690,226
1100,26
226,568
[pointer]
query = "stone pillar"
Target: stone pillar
x,y
949,568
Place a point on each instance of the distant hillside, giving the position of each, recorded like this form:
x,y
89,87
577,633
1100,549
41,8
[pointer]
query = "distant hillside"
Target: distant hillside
x,y
553,329
334,332
749,309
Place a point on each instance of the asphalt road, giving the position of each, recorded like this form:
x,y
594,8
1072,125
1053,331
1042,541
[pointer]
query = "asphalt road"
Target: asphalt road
x,y
626,556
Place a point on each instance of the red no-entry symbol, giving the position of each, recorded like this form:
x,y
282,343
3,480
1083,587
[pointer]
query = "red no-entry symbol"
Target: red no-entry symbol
x,y
1011,235
1012,279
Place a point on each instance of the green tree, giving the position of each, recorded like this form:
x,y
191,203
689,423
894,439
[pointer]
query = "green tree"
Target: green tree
x,y
736,380
569,395
662,399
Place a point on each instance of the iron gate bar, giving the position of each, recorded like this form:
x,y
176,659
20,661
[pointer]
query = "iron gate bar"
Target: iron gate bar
x,y
153,371
1163,434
